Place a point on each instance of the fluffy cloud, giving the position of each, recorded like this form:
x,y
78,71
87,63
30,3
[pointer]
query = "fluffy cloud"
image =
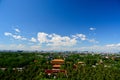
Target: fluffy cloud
x,y
33,39
81,36
92,29
17,30
51,41
7,34
58,40
55,40
42,37
19,37
15,36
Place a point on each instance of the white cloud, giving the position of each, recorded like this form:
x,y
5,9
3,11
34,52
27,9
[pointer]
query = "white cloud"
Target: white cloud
x,y
15,36
42,37
113,45
55,40
33,39
19,37
81,36
92,29
17,30
58,40
52,39
7,34
110,45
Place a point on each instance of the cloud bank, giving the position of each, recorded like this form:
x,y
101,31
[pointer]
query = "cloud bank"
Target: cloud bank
x,y
18,37
53,41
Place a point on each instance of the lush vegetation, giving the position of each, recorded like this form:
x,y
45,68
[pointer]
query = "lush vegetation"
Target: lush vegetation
x,y
32,66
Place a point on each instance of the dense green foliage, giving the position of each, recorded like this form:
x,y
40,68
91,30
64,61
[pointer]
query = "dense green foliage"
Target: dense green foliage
x,y
34,65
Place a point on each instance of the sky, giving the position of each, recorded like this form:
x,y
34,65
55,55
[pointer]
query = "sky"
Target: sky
x,y
60,25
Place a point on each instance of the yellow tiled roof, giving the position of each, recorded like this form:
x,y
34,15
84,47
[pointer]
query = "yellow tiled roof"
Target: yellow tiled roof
x,y
56,65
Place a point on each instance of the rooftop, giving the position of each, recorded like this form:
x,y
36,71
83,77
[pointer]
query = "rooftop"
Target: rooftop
x,y
58,66
58,60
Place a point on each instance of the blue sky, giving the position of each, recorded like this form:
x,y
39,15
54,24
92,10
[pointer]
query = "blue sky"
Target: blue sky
x,y
82,25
